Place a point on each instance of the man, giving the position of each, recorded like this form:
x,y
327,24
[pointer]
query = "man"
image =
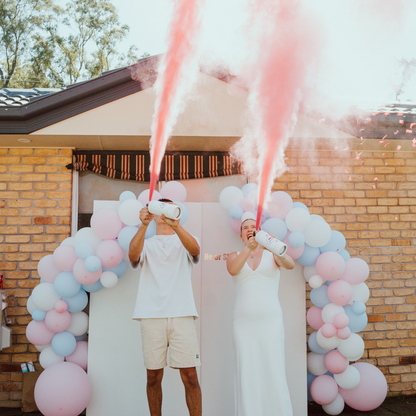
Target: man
x,y
165,306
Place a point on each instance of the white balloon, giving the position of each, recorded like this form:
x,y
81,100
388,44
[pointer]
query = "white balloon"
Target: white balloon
x,y
29,305
309,271
316,364
108,279
349,379
329,311
360,292
87,234
231,195
42,347
68,242
316,281
124,196
48,357
352,348
44,296
318,233
336,407
79,324
327,343
129,212
298,219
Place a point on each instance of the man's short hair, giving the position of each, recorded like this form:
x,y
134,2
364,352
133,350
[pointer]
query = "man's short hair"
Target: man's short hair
x,y
165,200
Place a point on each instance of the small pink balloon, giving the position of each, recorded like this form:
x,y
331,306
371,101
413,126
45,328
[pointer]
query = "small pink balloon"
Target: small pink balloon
x,y
314,317
83,276
335,362
38,333
324,389
284,203
236,226
80,355
356,271
144,197
106,224
330,265
110,253
344,333
340,292
248,204
328,330
64,258
341,320
56,321
61,306
293,252
174,191
63,389
47,269
370,392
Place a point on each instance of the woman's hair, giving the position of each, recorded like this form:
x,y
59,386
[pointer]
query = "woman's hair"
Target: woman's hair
x,y
165,200
241,227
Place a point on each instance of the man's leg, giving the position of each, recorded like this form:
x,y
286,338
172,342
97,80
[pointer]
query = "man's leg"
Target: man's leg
x,y
192,390
154,391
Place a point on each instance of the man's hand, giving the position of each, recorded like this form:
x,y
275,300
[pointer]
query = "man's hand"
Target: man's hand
x,y
145,216
174,224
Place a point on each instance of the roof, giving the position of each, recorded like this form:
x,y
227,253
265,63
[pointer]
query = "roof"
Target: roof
x,y
15,97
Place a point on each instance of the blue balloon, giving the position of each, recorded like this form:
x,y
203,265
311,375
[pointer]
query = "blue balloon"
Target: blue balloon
x,y
310,378
66,285
314,346
300,205
250,189
151,229
358,307
92,264
94,287
38,315
336,243
82,337
83,250
357,322
309,256
124,196
63,343
345,255
125,236
184,215
235,212
119,270
275,226
78,302
296,239
319,296
43,281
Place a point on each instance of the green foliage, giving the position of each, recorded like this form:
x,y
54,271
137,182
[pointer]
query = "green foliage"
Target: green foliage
x,y
45,45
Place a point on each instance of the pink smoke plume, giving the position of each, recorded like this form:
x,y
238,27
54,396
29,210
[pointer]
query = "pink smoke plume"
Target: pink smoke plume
x,y
176,75
286,46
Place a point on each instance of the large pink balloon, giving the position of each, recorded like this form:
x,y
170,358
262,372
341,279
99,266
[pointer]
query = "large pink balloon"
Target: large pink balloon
x,y
38,333
335,362
174,191
330,265
47,269
284,203
236,226
324,389
356,271
340,292
110,253
293,252
64,258
63,389
248,204
314,317
106,224
370,392
341,320
80,355
83,276
56,321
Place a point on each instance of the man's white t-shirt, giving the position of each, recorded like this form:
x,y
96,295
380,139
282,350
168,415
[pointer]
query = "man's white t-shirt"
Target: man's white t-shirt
x,y
165,287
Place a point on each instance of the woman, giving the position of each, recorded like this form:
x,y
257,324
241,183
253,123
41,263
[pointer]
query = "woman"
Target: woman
x,y
258,332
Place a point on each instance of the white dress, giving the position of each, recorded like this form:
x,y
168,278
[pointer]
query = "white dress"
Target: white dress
x,y
258,332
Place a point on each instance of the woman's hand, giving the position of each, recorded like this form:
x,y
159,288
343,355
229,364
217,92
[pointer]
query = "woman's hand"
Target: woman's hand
x,y
252,244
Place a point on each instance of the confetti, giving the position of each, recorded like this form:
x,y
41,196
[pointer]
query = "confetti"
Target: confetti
x,y
345,149
398,148
396,131
373,186
386,114
408,131
368,119
387,144
399,114
411,125
396,218
383,154
381,141
362,161
346,171
401,121
376,179
349,178
321,120
374,114
336,147
362,129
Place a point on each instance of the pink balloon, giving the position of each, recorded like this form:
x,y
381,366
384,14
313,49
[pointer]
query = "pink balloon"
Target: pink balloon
x,y
110,253
47,269
293,252
106,224
370,392
63,389
314,317
236,226
61,306
324,389
64,258
328,330
344,333
38,333
330,265
341,320
356,271
284,203
57,322
248,204
174,191
80,355
144,197
335,362
340,292
83,276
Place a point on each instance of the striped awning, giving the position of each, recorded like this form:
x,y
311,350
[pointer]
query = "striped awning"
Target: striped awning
x,y
134,166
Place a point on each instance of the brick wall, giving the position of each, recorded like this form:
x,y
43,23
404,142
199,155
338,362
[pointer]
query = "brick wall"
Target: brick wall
x,y
35,215
378,220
